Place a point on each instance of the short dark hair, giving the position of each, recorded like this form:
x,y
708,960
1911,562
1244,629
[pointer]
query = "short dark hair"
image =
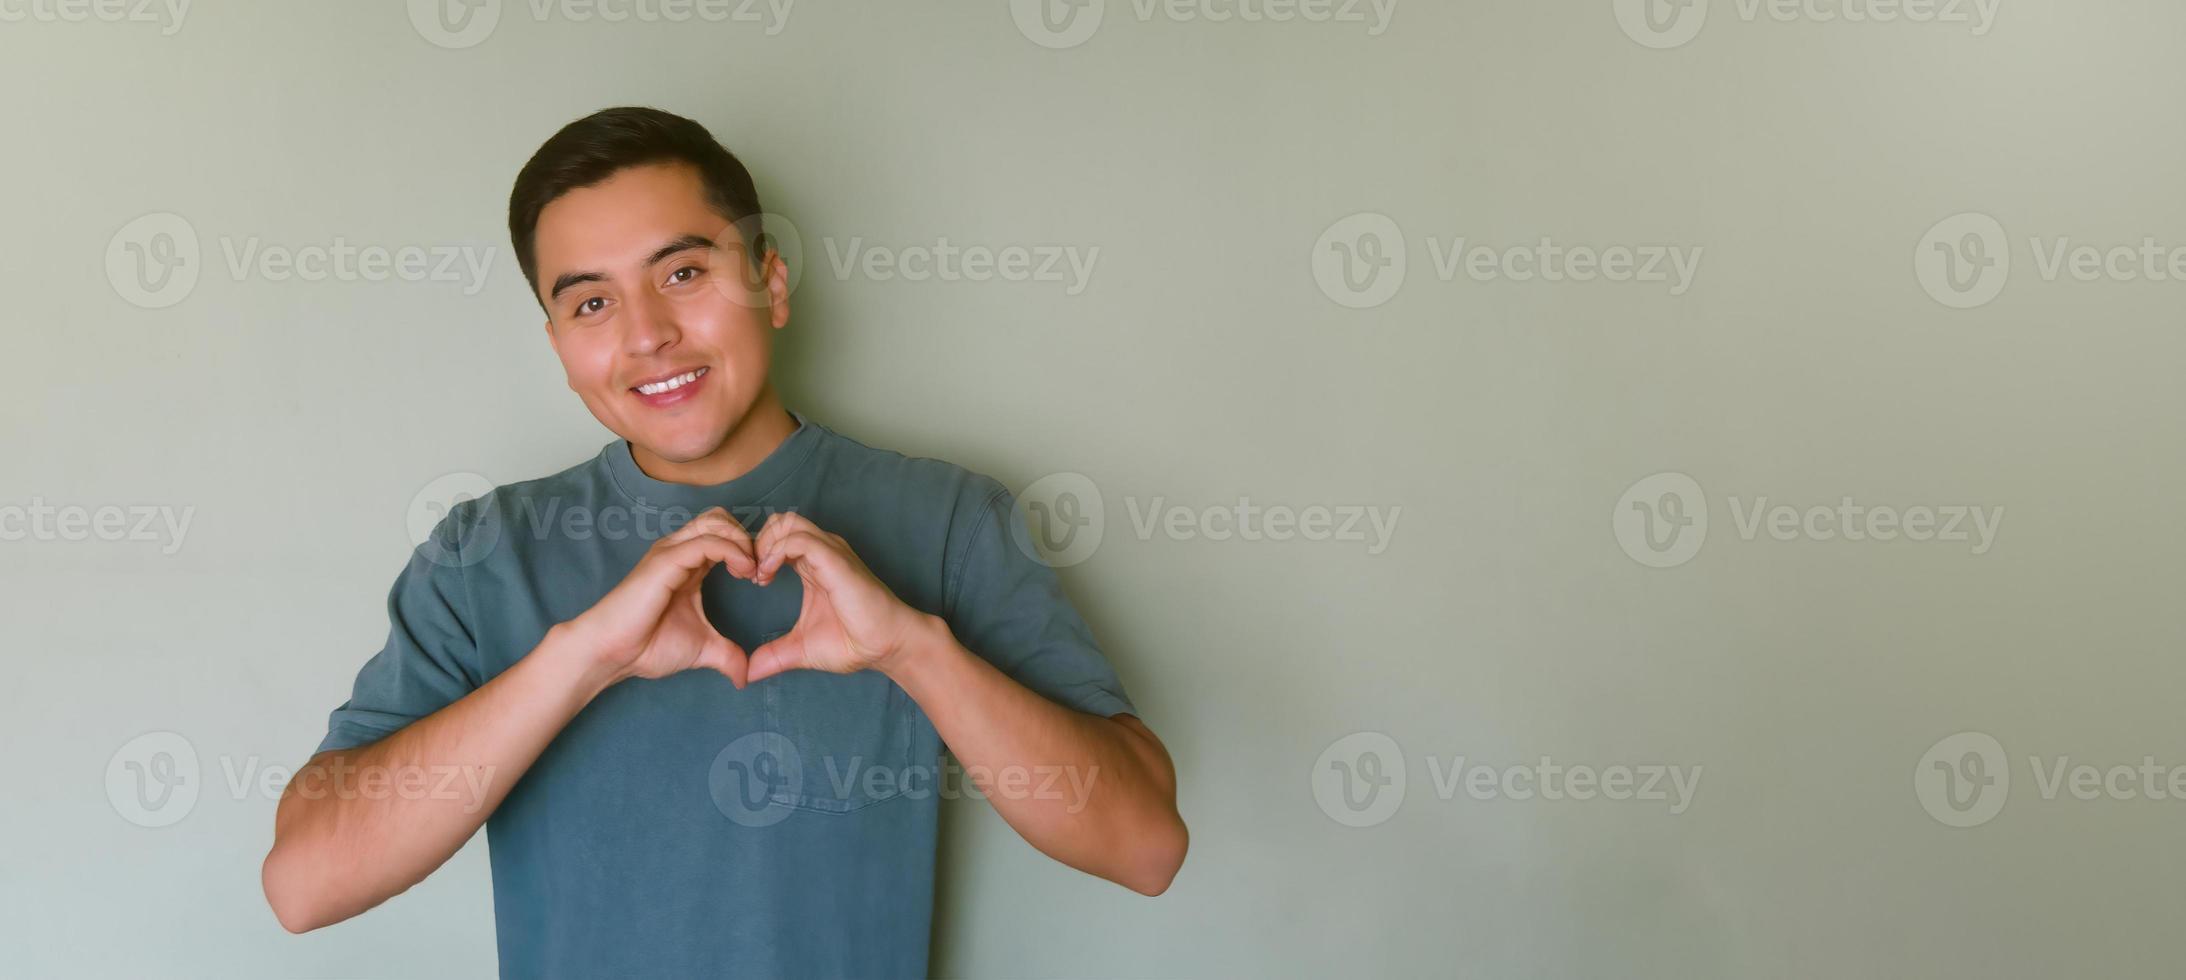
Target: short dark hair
x,y
592,149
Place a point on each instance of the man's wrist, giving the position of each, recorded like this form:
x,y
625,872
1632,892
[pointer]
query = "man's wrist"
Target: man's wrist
x,y
579,659
928,643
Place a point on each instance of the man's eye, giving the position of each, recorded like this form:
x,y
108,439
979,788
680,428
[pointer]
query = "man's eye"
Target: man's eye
x,y
685,274
591,306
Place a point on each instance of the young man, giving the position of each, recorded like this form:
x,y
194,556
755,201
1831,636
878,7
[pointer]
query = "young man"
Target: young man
x,y
692,770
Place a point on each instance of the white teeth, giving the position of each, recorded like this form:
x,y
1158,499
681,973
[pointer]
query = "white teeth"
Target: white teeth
x,y
672,383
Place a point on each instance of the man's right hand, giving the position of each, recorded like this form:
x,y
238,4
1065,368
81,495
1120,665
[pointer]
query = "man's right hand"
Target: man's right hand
x,y
652,623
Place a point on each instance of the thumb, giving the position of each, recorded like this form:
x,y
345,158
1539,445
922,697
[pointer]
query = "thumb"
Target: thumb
x,y
722,654
783,653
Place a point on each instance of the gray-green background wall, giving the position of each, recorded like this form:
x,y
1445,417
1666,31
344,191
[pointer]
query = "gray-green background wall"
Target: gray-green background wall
x,y
1418,262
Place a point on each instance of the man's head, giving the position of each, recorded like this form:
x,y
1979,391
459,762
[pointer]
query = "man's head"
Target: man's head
x,y
640,237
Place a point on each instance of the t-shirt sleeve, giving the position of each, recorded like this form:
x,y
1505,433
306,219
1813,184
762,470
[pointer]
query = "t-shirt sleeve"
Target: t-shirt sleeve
x,y
1008,607
430,658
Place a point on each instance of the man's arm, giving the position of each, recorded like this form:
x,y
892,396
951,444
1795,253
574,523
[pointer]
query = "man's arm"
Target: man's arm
x,y
1114,812
338,852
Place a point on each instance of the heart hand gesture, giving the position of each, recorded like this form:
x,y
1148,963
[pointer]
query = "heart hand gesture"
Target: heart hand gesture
x,y
652,624
849,620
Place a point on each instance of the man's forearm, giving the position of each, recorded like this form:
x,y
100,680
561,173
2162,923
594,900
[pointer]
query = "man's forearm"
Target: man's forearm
x,y
1112,811
340,849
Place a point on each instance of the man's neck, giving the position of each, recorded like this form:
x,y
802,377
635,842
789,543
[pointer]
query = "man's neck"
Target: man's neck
x,y
762,431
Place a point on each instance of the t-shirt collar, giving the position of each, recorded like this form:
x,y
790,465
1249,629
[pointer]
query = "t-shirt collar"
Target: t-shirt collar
x,y
778,466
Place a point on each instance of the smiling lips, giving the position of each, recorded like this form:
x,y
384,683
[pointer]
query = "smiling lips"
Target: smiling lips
x,y
672,389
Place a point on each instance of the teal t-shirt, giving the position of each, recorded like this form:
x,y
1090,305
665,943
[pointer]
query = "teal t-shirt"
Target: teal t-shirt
x,y
679,827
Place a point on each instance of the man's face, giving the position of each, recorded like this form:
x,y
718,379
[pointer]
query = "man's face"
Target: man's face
x,y
660,321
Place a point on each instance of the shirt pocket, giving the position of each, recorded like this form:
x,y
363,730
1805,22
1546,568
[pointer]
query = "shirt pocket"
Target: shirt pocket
x,y
851,734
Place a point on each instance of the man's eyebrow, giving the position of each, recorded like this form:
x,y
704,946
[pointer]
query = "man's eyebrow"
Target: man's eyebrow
x,y
568,279
684,243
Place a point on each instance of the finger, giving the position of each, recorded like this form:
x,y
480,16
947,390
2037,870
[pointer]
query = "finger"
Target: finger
x,y
715,521
783,653
718,521
698,524
674,567
781,524
813,553
772,529
695,531
722,654
743,561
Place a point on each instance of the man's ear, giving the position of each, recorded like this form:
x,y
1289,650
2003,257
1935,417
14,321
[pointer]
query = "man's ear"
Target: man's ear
x,y
778,288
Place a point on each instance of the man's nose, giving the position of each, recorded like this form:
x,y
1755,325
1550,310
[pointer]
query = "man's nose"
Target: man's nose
x,y
652,326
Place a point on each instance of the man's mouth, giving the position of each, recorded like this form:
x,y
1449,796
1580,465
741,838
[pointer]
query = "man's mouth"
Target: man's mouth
x,y
670,389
